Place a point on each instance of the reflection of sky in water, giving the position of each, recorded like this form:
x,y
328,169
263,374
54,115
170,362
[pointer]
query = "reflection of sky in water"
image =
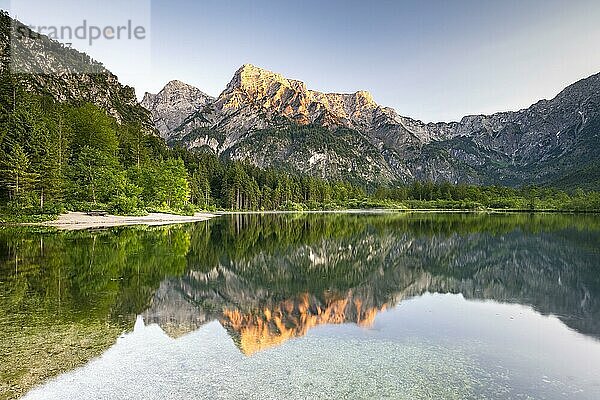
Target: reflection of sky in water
x,y
434,346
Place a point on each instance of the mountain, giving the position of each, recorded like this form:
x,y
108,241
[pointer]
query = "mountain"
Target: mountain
x,y
42,66
70,133
173,103
240,122
348,270
270,120
273,121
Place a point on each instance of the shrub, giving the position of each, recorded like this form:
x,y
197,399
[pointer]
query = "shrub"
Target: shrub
x,y
291,206
53,209
123,205
188,209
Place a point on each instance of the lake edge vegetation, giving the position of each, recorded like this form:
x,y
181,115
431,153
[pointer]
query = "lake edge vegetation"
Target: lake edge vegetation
x,y
56,157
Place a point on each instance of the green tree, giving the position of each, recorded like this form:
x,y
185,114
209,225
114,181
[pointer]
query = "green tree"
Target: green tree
x,y
170,184
17,175
200,191
93,175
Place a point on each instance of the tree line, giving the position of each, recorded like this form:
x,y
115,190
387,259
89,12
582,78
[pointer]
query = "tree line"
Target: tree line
x,y
56,156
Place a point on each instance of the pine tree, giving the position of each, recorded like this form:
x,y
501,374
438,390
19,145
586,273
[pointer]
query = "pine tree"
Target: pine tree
x,y
17,176
200,191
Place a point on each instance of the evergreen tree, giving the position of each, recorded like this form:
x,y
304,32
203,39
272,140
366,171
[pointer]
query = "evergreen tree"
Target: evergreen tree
x,y
17,176
200,191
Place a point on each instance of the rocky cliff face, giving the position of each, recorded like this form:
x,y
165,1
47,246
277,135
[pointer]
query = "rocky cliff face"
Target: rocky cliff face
x,y
43,66
173,104
539,144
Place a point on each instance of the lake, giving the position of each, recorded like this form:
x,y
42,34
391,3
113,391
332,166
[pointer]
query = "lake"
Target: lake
x,y
366,305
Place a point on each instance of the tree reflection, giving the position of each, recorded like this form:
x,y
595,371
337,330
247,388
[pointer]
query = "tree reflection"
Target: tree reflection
x,y
66,296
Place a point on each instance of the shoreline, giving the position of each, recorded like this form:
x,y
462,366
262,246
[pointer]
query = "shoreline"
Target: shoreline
x,y
76,220
415,211
80,220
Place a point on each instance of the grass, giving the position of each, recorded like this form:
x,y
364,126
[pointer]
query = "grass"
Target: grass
x,y
25,218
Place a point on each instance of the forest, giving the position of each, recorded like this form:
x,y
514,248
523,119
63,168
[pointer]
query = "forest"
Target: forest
x,y
61,156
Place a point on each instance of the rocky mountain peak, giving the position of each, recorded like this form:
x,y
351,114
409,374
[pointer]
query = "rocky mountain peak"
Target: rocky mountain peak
x,y
173,104
258,82
266,91
181,89
507,147
364,96
178,86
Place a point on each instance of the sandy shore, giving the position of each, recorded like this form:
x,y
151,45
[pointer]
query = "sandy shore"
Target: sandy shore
x,y
80,220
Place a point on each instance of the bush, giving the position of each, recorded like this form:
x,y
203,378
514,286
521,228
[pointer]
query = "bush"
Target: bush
x,y
188,209
291,206
123,205
53,209
85,206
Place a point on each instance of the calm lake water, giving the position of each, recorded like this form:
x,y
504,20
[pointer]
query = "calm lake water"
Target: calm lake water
x,y
302,306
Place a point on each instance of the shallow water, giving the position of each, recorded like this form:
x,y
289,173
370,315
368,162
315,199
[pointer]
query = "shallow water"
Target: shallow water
x,y
417,306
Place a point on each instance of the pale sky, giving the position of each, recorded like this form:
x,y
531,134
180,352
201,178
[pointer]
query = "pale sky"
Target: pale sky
x,y
430,60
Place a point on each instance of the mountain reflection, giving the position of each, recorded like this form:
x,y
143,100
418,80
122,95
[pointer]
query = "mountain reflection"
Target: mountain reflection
x,y
271,278
65,297
269,327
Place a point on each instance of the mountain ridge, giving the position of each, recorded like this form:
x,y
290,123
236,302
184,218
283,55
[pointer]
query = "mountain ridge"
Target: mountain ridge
x,y
272,121
511,147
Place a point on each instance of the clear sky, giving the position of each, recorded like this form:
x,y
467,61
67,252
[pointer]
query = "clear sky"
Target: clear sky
x,y
432,60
